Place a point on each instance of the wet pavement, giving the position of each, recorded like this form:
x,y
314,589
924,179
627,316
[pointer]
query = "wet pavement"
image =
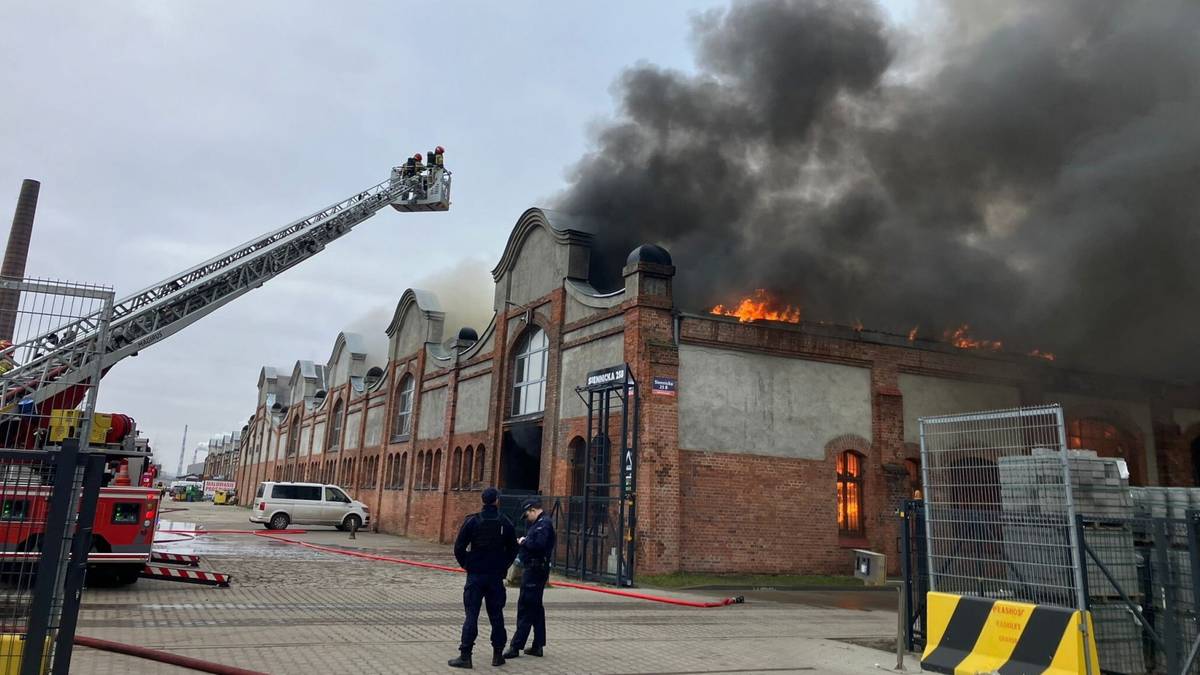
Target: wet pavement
x,y
291,608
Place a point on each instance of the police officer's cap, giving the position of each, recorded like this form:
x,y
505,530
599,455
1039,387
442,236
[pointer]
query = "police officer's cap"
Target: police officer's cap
x,y
490,495
533,503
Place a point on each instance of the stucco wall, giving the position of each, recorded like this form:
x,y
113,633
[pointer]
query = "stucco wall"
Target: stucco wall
x,y
339,370
471,411
374,433
739,402
352,429
925,395
315,436
411,336
577,362
537,269
433,410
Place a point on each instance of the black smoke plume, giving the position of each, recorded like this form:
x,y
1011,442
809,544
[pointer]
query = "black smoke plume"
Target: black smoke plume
x,y
1030,168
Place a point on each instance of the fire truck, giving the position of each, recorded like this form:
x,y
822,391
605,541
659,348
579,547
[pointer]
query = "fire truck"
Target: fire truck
x,y
54,378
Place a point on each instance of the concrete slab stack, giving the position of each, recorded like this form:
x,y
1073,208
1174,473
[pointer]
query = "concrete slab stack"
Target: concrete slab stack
x,y
1038,547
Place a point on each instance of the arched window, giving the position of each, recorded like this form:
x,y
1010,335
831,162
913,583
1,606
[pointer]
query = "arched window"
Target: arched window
x,y
334,442
427,478
913,467
578,450
403,470
293,442
456,469
529,373
849,493
419,471
437,469
402,423
1108,440
480,457
388,465
468,468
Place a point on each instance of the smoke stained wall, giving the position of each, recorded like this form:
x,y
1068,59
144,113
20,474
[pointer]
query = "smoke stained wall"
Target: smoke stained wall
x,y
1031,171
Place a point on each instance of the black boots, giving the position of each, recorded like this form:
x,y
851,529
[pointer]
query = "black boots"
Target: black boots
x,y
513,652
498,656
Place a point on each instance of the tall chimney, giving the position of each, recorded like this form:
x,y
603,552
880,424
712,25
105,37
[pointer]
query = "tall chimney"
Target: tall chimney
x,y
17,254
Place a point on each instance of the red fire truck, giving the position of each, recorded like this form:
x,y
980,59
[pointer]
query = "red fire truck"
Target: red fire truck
x,y
126,514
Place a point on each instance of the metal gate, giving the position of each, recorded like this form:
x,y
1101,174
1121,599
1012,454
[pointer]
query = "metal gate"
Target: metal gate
x,y
597,527
913,558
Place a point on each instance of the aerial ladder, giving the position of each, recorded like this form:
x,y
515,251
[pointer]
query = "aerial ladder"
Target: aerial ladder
x,y
58,362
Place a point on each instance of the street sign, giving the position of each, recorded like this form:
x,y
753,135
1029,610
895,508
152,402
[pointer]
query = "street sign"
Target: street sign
x,y
663,386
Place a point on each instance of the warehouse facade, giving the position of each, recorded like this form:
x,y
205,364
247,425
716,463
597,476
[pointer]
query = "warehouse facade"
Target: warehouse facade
x,y
771,447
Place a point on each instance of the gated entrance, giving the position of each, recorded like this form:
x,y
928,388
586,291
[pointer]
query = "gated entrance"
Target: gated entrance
x,y
596,528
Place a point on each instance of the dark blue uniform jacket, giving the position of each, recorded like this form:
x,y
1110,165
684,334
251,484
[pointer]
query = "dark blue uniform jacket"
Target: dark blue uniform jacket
x,y
490,559
539,541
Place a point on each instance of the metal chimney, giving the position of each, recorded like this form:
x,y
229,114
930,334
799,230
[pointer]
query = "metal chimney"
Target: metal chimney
x,y
17,254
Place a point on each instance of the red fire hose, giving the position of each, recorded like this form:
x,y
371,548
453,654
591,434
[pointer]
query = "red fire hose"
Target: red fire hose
x,y
275,535
724,602
163,657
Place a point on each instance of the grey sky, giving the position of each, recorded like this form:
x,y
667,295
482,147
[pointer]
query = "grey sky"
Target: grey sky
x,y
166,132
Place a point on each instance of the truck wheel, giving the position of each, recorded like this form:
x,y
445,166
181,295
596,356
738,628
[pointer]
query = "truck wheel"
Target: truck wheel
x,y
351,522
128,574
279,521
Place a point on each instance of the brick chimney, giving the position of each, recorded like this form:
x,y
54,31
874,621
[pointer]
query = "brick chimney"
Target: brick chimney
x,y
17,253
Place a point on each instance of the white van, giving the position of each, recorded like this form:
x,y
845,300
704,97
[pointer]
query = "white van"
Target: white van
x,y
278,505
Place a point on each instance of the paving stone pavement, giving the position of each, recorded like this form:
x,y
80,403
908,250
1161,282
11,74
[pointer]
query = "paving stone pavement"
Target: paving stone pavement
x,y
293,610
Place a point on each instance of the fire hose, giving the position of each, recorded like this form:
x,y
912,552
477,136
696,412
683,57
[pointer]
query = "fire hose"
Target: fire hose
x,y
221,669
724,602
163,657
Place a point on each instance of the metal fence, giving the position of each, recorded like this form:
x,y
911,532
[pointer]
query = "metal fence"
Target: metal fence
x,y
1142,575
588,531
49,482
999,515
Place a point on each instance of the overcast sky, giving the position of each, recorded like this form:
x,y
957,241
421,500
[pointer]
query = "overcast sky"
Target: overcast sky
x,y
166,132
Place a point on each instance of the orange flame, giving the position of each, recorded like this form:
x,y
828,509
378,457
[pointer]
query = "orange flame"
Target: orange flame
x,y
912,334
960,337
1049,356
761,306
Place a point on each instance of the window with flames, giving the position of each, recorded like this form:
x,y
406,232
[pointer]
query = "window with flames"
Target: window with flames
x,y
849,493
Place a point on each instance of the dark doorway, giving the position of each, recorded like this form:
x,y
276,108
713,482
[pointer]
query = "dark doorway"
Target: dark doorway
x,y
521,457
1196,461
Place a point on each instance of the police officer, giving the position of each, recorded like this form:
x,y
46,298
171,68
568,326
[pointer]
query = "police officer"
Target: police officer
x,y
485,547
537,553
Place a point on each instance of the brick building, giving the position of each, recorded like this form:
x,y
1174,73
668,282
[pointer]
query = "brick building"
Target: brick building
x,y
783,446
222,460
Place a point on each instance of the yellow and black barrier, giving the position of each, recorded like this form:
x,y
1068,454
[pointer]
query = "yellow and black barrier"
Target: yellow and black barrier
x,y
970,636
